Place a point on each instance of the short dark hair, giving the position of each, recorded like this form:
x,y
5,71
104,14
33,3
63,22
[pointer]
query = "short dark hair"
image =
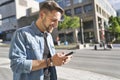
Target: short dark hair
x,y
50,6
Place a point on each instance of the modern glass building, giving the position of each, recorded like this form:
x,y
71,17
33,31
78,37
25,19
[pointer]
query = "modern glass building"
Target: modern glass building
x,y
94,14
11,11
118,12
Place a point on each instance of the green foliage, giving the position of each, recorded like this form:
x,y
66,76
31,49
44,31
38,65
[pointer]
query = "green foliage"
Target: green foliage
x,y
69,22
74,22
114,24
118,20
114,27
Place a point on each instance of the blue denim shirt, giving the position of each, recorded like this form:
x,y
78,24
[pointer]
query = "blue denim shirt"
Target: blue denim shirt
x,y
28,44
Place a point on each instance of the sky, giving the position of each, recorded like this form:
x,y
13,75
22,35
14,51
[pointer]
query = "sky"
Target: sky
x,y
114,3
39,0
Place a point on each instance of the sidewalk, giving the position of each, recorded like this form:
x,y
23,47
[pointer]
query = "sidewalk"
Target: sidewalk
x,y
63,73
4,44
74,74
68,47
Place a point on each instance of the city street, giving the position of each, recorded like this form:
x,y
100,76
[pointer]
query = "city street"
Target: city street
x,y
105,62
89,28
102,61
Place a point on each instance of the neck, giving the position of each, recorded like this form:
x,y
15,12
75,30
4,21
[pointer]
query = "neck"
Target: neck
x,y
40,26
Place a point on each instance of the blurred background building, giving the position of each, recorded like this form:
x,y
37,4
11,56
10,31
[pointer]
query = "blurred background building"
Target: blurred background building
x,y
118,12
11,11
116,5
93,13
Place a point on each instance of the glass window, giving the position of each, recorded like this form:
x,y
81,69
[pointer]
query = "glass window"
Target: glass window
x,y
85,0
88,25
0,22
12,19
67,3
68,12
97,8
77,1
88,8
118,13
61,3
78,10
5,21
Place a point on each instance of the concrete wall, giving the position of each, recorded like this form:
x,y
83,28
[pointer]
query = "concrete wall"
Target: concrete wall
x,y
23,5
8,14
13,10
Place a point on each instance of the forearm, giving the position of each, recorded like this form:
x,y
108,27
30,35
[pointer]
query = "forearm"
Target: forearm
x,y
40,64
56,60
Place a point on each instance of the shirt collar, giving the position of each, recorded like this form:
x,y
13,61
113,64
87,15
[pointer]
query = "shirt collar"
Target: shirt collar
x,y
35,29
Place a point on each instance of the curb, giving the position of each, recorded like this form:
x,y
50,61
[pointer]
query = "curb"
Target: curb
x,y
4,45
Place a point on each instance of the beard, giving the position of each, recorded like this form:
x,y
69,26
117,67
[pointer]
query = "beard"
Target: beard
x,y
48,28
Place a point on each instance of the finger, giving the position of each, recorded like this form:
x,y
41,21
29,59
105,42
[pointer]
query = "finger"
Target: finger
x,y
70,56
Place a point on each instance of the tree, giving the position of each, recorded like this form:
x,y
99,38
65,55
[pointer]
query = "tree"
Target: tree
x,y
69,23
118,20
114,27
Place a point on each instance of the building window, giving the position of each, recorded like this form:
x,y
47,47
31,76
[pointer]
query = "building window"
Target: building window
x,y
88,25
97,8
61,3
118,12
88,8
9,19
5,21
103,13
78,10
68,12
0,22
12,19
67,3
6,2
77,1
85,0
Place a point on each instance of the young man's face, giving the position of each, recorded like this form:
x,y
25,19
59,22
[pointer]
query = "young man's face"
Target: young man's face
x,y
50,20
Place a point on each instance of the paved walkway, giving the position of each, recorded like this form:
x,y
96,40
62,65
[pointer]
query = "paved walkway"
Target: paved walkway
x,y
63,73
74,74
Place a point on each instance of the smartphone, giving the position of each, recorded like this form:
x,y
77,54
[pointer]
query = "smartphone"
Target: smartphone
x,y
70,53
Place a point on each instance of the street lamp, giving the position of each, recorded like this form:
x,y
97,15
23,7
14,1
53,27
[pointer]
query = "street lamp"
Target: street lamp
x,y
81,30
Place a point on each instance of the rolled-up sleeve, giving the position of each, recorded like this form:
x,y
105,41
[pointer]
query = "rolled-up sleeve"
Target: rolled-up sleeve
x,y
17,54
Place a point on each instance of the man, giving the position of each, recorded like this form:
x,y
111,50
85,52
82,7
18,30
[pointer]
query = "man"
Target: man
x,y
32,51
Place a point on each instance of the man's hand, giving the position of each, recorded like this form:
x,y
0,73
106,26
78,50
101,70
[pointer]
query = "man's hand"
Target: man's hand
x,y
60,59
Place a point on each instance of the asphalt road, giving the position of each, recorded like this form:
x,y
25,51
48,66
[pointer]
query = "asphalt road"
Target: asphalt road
x,y
102,61
105,62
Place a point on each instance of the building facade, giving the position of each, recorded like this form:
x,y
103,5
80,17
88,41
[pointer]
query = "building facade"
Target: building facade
x,y
94,15
11,11
118,12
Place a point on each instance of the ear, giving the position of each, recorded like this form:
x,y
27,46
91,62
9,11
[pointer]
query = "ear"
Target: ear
x,y
42,14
